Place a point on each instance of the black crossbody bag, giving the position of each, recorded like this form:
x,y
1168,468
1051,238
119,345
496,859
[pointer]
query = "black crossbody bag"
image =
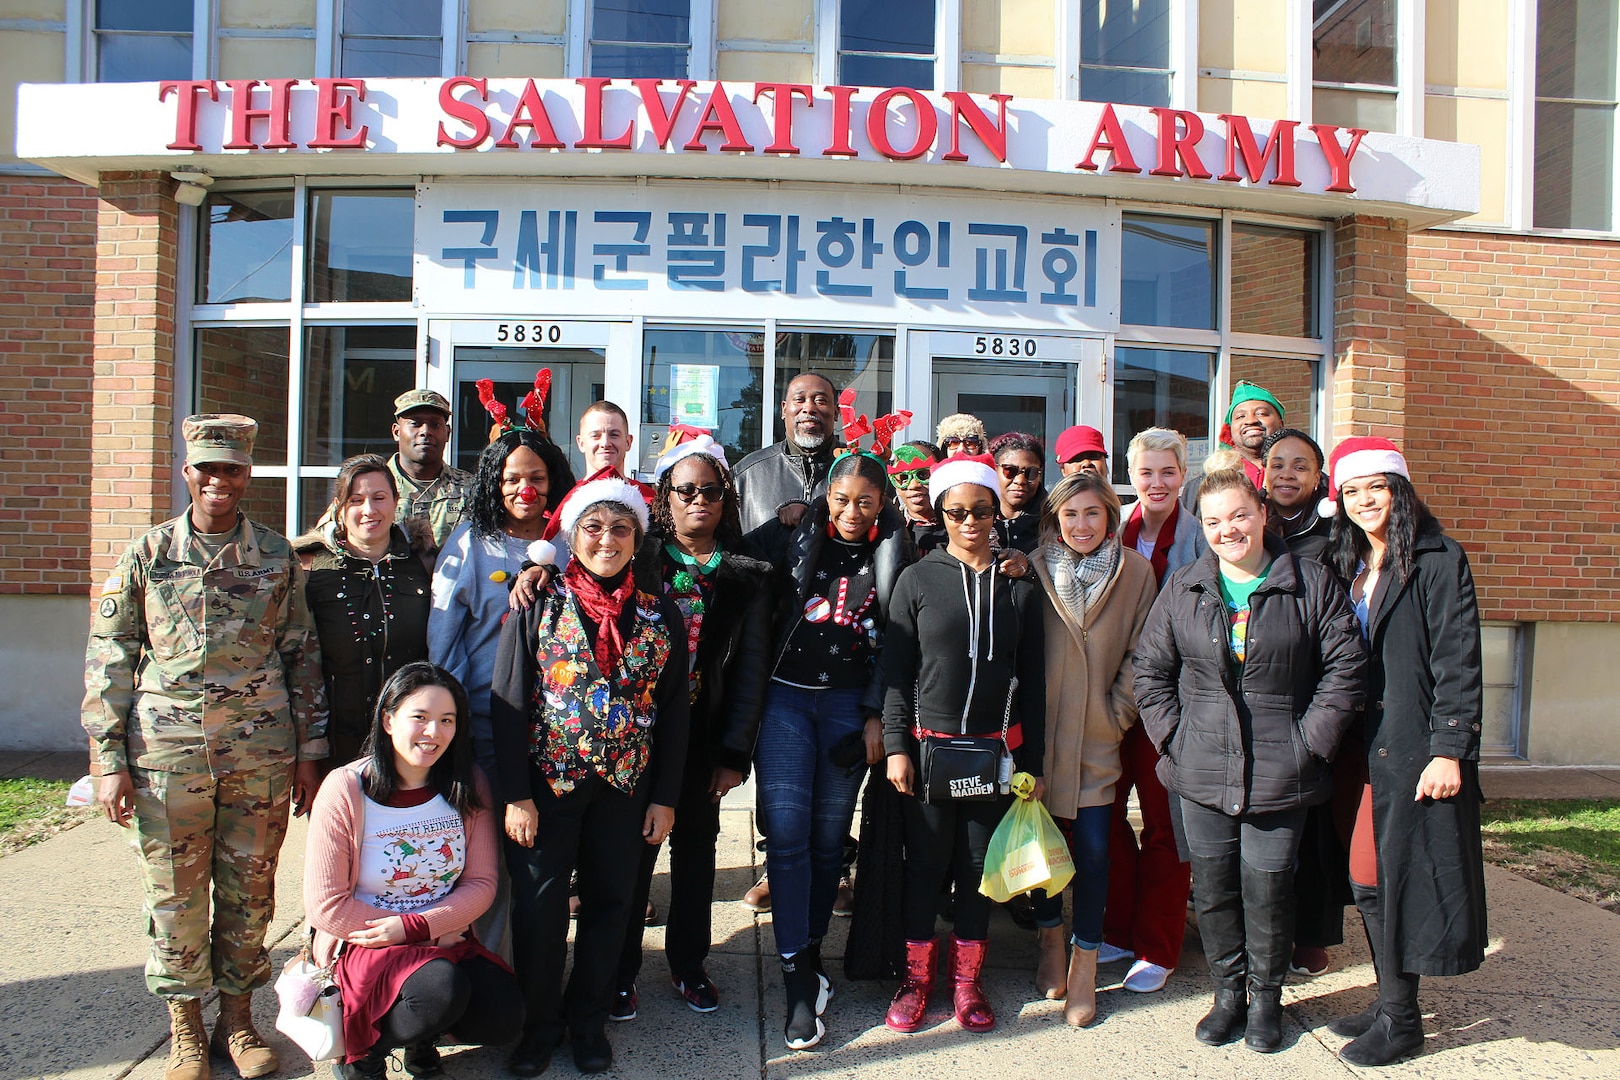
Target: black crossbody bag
x,y
965,768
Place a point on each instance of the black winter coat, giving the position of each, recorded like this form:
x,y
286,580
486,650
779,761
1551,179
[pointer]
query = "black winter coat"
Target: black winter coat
x,y
733,656
1307,535
768,478
1425,699
794,553
1251,738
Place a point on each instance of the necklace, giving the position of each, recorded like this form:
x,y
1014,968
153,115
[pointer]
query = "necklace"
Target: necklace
x,y
355,591
704,565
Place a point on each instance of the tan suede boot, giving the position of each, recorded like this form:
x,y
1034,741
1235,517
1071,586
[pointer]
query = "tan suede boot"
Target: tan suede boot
x,y
188,1043
236,1038
1082,1002
1049,972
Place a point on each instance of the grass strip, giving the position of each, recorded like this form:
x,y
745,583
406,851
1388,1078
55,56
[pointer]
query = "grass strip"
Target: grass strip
x,y
1570,845
33,810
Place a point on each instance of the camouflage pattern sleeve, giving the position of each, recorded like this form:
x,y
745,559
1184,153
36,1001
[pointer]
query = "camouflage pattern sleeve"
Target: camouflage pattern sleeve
x,y
112,655
300,651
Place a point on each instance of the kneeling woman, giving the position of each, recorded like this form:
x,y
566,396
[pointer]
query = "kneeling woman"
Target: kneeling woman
x,y
401,860
588,705
964,655
1247,675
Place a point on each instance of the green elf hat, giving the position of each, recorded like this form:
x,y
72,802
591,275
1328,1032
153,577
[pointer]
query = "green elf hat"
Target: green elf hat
x,y
1248,391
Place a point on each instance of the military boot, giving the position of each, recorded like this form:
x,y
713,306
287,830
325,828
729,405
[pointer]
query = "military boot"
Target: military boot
x,y
188,1042
235,1037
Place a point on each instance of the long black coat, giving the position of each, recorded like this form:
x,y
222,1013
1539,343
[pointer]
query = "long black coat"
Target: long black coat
x,y
1255,737
733,658
1424,699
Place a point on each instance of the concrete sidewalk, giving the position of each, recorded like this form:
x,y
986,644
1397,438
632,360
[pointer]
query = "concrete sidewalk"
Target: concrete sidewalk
x,y
1546,1003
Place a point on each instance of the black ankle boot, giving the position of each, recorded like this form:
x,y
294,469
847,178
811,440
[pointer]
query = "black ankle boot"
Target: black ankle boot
x,y
1355,1025
1264,1030
802,986
1384,1043
1224,1022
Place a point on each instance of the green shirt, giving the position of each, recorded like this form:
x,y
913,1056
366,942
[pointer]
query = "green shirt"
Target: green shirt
x,y
1237,594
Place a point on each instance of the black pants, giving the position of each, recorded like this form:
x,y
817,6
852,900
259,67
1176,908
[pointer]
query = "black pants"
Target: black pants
x,y
476,999
941,837
688,921
595,829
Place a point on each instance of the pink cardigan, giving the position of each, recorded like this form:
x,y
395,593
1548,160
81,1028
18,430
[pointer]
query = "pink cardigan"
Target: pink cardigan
x,y
332,868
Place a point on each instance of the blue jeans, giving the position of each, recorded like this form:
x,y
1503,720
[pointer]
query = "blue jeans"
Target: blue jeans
x,y
806,804
1088,846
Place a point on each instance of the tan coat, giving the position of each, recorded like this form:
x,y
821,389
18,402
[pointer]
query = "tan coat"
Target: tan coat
x,y
1089,702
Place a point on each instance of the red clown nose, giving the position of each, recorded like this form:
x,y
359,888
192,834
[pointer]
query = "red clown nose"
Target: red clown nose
x,y
528,495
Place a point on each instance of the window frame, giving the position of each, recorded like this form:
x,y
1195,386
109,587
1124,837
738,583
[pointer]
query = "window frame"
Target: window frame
x,y
1408,91
1182,49
1522,633
1524,28
82,62
947,55
329,39
701,52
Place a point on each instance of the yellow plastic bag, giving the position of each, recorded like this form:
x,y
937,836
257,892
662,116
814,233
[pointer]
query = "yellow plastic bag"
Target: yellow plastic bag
x,y
1027,851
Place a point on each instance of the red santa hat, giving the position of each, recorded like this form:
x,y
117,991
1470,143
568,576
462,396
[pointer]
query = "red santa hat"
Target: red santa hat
x,y
962,469
1365,455
604,485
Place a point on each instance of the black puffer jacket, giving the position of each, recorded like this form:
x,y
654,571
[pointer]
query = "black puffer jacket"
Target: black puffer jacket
x,y
1250,738
795,552
775,475
733,656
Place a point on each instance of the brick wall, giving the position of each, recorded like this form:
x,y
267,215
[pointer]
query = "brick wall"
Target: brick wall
x,y
1513,415
1369,328
47,314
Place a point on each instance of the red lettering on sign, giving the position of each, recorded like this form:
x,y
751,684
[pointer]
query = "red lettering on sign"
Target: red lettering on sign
x,y
530,112
1279,150
465,111
591,123
661,121
1338,158
782,95
877,123
840,145
1109,136
276,115
717,115
185,119
334,107
994,136
1179,132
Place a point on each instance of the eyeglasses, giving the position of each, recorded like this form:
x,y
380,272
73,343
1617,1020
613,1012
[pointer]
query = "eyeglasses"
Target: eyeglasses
x,y
913,476
689,493
619,530
960,514
972,444
1032,473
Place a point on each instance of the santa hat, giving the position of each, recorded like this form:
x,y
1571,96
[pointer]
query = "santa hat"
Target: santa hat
x,y
962,469
1364,455
604,485
700,443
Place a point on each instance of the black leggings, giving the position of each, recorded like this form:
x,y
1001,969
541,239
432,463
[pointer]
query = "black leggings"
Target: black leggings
x,y
941,837
478,999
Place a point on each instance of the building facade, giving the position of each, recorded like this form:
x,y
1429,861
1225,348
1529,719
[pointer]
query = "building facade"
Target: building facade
x,y
1396,214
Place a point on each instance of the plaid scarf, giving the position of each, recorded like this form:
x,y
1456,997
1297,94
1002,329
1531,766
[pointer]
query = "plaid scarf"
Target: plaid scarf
x,y
1081,580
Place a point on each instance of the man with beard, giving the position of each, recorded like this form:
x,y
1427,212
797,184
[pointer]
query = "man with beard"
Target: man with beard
x,y
1254,413
782,479
428,488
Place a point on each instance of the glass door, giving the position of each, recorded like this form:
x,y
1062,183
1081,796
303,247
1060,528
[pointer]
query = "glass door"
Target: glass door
x,y
1016,382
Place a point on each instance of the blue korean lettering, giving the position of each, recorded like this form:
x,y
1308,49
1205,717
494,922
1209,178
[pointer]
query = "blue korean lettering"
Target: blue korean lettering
x,y
1007,267
770,249
836,249
622,253
1091,268
470,257
1060,265
562,236
912,246
696,260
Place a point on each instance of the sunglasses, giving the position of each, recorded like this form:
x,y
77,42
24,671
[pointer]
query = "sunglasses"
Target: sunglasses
x,y
960,514
690,493
1032,473
913,476
618,530
971,443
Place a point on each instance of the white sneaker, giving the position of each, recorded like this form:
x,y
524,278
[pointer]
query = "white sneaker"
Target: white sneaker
x,y
1113,954
1146,978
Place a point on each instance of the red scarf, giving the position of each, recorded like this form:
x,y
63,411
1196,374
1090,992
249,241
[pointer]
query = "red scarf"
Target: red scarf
x,y
1161,546
604,609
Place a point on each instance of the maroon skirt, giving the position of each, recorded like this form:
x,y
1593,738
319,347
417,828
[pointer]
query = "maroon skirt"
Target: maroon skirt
x,y
370,980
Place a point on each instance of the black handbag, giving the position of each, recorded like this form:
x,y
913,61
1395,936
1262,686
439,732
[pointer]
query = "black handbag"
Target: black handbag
x,y
965,768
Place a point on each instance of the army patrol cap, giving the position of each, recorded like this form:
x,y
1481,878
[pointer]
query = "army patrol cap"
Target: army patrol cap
x,y
421,399
219,437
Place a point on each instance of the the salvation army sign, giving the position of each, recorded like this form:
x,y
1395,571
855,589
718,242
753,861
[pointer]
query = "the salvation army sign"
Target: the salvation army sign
x,y
715,251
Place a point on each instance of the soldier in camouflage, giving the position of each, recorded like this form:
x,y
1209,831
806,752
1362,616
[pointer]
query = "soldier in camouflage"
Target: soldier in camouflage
x,y
428,488
207,715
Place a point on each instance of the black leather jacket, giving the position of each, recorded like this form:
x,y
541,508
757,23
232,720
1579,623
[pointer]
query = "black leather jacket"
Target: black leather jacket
x,y
770,477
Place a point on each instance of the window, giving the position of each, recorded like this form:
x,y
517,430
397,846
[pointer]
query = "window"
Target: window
x,y
886,43
1290,378
1575,114
1167,388
143,40
862,359
712,379
246,247
392,38
1353,47
1274,281
361,245
649,39
1125,51
352,374
1168,271
244,369
1502,666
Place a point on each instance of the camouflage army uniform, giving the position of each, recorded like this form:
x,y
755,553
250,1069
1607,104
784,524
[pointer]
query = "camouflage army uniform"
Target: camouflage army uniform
x,y
203,680
442,503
